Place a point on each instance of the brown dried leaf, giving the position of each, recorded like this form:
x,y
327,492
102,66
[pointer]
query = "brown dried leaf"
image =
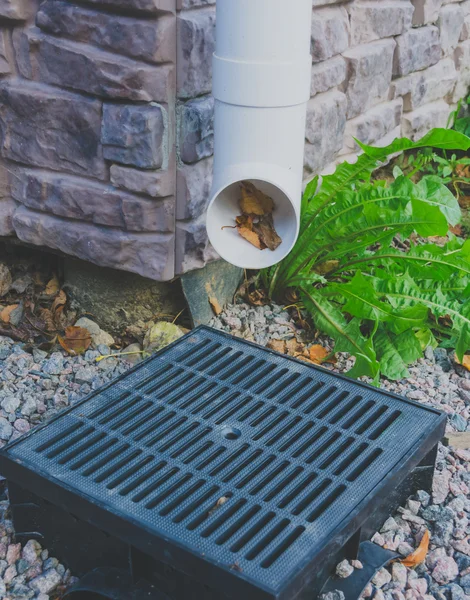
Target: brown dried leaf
x,y
295,348
258,298
464,201
53,286
463,170
47,317
456,230
217,309
60,300
220,502
254,201
318,354
6,312
277,346
76,341
419,555
465,361
252,237
266,232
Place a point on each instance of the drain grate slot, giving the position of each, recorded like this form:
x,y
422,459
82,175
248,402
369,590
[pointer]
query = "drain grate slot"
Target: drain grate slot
x,y
219,451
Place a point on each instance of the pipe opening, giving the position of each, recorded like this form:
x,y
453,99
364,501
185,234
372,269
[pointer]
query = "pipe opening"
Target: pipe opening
x,y
222,212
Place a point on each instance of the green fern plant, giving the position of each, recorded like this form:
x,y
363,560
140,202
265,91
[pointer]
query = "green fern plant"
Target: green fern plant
x,y
380,302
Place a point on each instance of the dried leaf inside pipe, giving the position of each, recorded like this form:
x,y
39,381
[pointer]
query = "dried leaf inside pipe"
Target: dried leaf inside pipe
x,y
256,224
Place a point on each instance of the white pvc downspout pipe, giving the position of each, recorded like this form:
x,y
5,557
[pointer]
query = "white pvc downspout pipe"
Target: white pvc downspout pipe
x,y
261,85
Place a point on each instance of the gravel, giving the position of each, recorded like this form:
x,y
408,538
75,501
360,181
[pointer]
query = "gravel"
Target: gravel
x,y
35,386
437,381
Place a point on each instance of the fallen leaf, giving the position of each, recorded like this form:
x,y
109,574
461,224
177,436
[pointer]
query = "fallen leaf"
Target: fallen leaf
x,y
250,236
277,346
6,312
215,306
60,300
327,267
220,502
53,286
258,298
463,170
456,230
46,315
419,555
465,361
76,341
5,280
464,201
266,232
295,348
254,201
318,354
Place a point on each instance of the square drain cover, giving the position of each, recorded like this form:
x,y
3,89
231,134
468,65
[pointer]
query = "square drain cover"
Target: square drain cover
x,y
238,466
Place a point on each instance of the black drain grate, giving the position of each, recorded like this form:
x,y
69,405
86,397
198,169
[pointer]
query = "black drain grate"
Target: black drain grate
x,y
230,462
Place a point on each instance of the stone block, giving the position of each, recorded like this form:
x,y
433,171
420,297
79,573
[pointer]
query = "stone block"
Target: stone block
x,y
193,250
195,46
369,75
326,120
147,39
450,26
417,123
426,86
465,33
148,254
183,4
147,6
196,129
193,189
462,62
5,68
87,69
76,198
157,184
46,127
7,209
134,135
371,20
330,32
317,3
465,6
416,49
426,12
16,10
327,74
373,125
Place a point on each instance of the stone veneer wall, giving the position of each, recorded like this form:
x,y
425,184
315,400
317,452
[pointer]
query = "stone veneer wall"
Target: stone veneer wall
x,y
106,114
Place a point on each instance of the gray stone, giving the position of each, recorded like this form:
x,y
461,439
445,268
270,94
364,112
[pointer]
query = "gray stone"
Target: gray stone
x,y
195,46
416,49
160,335
196,129
98,336
5,429
15,9
326,121
151,40
54,365
417,123
219,280
372,125
181,4
10,404
462,63
87,69
134,135
425,86
148,254
76,198
376,20
117,299
5,67
369,75
193,250
327,74
51,128
85,375
465,33
7,209
157,184
194,186
47,582
426,12
150,6
450,25
330,32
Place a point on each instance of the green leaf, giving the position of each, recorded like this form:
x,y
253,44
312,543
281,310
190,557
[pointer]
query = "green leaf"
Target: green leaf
x,y
432,191
436,222
395,353
444,139
426,338
347,335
